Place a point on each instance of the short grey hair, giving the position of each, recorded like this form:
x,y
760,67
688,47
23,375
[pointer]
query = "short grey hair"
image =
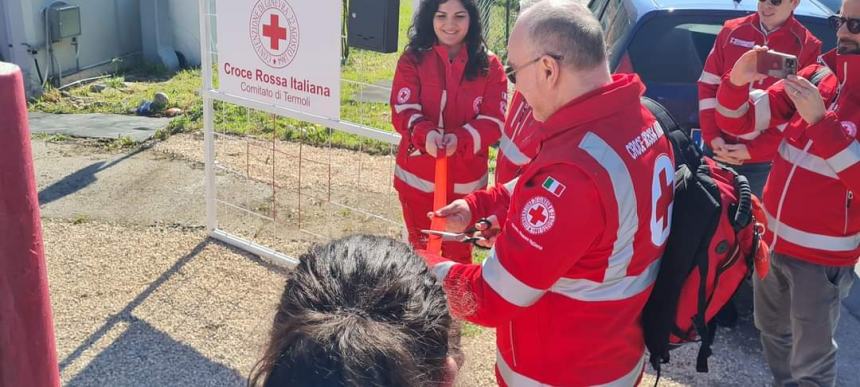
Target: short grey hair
x,y
567,28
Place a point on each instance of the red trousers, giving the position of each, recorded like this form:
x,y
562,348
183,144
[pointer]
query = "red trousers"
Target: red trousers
x,y
415,209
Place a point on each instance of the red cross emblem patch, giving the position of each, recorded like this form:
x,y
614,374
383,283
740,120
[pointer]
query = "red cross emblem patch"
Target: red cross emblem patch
x,y
538,215
849,128
403,95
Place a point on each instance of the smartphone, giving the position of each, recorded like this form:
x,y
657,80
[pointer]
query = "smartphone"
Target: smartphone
x,y
696,136
776,64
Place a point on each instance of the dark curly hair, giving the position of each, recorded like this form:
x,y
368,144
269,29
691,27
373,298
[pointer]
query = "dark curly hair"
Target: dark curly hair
x,y
422,37
359,311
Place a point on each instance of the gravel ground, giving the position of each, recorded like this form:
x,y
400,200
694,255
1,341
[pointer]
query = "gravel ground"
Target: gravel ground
x,y
164,306
141,297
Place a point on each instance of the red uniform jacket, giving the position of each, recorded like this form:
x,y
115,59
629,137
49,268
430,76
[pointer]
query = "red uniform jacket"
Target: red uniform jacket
x,y
513,155
579,250
434,93
737,37
809,196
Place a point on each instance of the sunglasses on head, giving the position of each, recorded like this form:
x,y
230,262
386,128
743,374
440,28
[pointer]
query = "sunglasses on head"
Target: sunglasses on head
x,y
511,72
853,25
776,3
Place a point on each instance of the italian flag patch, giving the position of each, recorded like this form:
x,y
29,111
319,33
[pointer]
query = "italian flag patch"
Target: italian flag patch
x,y
553,186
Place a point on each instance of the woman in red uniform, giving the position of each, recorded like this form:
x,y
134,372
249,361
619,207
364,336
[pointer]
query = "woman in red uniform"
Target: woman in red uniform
x,y
449,96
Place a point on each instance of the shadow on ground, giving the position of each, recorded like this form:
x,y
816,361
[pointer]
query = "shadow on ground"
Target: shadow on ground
x,y
142,355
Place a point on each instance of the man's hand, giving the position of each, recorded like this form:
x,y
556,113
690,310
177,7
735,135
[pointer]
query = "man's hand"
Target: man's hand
x,y
734,154
806,97
744,70
457,215
717,145
490,233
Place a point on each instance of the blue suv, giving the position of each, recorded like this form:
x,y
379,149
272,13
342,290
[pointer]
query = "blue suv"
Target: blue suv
x,y
667,41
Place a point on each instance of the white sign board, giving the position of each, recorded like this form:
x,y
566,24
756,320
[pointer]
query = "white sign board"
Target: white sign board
x,y
282,52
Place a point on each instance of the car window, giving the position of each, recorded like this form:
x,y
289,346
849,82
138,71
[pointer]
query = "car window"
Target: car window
x,y
597,6
672,49
617,26
609,13
822,30
834,5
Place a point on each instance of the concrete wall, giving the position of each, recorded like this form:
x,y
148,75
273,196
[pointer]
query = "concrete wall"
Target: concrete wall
x,y
109,29
4,33
186,30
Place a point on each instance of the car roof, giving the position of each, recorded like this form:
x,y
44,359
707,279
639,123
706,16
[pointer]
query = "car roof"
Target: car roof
x,y
806,7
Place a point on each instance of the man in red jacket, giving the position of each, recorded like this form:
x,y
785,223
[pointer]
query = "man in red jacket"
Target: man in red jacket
x,y
813,228
586,221
750,155
513,156
773,25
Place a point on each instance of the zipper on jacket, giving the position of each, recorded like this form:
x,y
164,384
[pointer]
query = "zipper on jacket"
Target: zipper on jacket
x,y
511,333
849,196
442,109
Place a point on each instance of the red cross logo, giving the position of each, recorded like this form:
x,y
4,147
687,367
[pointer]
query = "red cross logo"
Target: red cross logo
x,y
665,199
275,32
536,215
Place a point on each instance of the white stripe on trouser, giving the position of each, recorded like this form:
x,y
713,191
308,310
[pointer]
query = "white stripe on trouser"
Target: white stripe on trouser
x,y
709,78
625,198
403,107
810,162
476,137
506,285
761,104
427,186
510,151
811,240
514,379
846,157
707,103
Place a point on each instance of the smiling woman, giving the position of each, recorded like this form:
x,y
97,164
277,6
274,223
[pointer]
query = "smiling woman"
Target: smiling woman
x,y
448,100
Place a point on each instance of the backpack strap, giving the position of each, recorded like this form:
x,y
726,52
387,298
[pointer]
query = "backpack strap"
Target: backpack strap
x,y
743,213
685,151
661,114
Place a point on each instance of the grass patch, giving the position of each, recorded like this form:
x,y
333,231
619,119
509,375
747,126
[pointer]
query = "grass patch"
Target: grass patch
x,y
59,137
471,330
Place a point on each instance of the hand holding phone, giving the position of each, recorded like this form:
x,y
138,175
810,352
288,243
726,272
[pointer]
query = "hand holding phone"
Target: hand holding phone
x,y
776,64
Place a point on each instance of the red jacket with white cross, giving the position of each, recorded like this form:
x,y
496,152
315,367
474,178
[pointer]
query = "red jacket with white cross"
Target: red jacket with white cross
x,y
579,250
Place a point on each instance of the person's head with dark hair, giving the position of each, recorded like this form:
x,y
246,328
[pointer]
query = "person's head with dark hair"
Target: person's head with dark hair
x,y
359,311
455,24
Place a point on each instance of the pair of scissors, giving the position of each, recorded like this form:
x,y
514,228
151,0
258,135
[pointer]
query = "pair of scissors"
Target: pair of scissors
x,y
465,236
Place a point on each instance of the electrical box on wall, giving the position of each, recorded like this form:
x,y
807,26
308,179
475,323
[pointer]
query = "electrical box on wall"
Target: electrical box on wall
x,y
64,20
373,24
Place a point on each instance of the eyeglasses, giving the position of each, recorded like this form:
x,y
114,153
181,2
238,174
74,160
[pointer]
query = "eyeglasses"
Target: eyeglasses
x,y
776,3
512,73
852,24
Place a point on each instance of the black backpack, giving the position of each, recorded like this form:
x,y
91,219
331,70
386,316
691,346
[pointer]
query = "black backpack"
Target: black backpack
x,y
708,254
